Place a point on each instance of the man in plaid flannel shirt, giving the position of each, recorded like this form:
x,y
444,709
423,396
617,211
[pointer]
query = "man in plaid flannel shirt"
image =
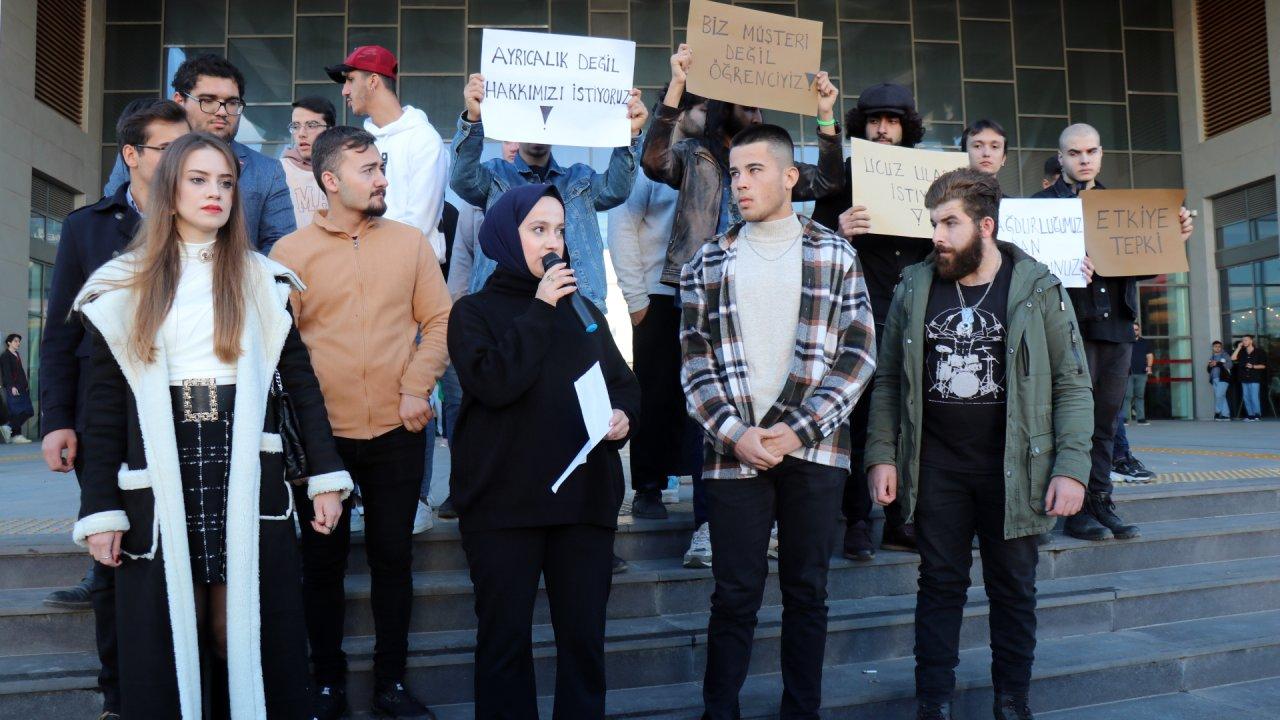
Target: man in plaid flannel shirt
x,y
778,342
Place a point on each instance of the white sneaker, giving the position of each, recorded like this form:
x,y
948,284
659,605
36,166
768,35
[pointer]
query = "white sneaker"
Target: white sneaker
x,y
19,439
773,542
5,432
357,518
423,520
699,554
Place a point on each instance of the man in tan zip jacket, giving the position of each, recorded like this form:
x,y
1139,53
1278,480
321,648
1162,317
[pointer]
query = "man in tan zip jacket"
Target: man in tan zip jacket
x,y
373,315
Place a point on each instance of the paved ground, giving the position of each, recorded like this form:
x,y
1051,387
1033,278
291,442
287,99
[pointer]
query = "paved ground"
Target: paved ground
x,y
36,501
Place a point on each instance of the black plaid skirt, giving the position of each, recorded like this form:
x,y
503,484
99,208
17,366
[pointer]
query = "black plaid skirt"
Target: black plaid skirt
x,y
204,458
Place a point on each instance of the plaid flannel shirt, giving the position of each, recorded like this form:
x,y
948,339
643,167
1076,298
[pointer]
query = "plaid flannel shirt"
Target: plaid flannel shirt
x,y
834,359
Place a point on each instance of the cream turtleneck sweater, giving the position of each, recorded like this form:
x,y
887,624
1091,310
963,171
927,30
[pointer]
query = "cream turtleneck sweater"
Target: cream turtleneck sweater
x,y
767,294
187,331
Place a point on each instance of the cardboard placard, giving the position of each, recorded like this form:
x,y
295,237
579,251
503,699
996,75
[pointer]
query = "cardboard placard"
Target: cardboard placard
x,y
556,89
1134,232
1049,230
891,182
754,58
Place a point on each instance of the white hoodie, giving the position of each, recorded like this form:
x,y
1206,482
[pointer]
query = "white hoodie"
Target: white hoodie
x,y
417,172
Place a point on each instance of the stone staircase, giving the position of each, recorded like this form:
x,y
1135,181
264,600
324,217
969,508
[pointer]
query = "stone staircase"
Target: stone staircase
x,y
1162,626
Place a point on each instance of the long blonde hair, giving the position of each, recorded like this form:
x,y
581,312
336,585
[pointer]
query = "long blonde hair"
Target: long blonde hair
x,y
159,258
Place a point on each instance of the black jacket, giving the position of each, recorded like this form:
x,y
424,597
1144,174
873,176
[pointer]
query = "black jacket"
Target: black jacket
x,y
882,257
520,424
91,236
1108,307
12,374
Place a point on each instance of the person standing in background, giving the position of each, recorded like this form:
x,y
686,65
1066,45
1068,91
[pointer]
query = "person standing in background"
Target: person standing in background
x,y
1251,365
311,116
17,393
1141,364
1220,379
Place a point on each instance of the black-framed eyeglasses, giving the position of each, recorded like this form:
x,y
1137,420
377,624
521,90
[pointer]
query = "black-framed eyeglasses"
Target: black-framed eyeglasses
x,y
157,148
312,125
210,106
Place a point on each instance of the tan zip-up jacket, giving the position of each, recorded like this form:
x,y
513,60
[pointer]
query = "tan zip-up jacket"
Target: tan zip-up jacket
x,y
365,300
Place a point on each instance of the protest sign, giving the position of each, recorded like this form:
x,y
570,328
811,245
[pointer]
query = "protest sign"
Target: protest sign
x,y
891,182
1049,230
1134,232
556,89
754,58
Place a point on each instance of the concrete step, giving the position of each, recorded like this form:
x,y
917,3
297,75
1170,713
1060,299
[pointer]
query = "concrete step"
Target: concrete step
x,y
1256,700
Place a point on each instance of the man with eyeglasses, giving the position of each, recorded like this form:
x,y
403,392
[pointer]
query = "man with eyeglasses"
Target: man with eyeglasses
x,y
91,236
211,90
311,116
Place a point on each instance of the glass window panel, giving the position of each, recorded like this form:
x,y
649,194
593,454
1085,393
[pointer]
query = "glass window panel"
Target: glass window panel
x,y
357,36
445,52
791,122
1041,132
319,44
260,17
1037,34
1110,120
938,91
1264,228
475,37
874,10
1157,171
36,228
132,57
267,64
769,7
824,11
1009,176
1096,76
1234,235
992,100
988,52
609,24
935,20
33,288
1042,92
942,135
372,12
175,56
134,10
263,124
1115,171
195,22
1149,61
507,12
1032,167
831,59
608,4
1155,122
329,91
322,6
1093,24
1269,274
875,53
653,66
1148,13
680,14
569,17
995,9
651,22
112,105
1165,310
52,235
440,97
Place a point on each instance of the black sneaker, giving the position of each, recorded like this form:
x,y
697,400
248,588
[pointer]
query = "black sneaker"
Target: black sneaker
x,y
902,537
1012,706
927,710
1120,471
394,701
446,511
619,565
329,703
857,542
1139,470
648,506
72,598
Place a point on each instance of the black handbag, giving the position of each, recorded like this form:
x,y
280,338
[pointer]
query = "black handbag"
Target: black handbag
x,y
295,459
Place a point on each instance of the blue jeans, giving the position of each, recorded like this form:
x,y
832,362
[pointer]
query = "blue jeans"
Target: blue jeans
x,y
1252,402
452,394
1220,405
1120,444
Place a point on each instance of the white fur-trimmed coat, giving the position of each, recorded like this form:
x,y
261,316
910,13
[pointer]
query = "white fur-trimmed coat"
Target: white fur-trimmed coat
x,y
131,480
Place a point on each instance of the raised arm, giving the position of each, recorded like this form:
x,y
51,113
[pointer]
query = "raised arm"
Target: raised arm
x,y
470,178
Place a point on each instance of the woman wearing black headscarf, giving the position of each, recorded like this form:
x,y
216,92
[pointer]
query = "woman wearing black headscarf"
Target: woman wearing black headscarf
x,y
518,348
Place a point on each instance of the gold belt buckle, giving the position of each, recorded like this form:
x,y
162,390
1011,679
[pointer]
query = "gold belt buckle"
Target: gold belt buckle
x,y
200,407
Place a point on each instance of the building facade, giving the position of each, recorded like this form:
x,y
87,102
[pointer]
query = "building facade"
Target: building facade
x,y
1131,68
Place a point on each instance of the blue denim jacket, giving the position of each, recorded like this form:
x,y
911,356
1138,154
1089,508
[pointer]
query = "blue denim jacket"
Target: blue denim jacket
x,y
584,190
268,209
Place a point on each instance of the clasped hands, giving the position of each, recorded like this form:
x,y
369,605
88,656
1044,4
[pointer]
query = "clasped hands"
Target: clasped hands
x,y
762,448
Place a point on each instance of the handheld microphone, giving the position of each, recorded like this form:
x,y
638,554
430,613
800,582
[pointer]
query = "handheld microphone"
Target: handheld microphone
x,y
580,308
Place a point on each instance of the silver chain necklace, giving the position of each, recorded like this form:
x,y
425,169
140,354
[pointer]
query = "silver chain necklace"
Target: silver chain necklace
x,y
966,311
771,259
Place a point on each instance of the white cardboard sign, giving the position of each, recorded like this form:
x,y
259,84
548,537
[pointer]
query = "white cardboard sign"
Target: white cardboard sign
x,y
1050,230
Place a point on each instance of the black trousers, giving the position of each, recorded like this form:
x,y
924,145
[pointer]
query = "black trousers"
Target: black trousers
x,y
857,502
102,596
950,508
657,442
388,471
1109,371
576,562
803,497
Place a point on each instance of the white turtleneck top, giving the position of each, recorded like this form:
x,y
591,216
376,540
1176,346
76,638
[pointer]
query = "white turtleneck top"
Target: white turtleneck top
x,y
767,282
187,331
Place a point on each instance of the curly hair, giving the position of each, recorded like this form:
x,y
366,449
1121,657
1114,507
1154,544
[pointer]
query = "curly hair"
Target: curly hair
x,y
855,126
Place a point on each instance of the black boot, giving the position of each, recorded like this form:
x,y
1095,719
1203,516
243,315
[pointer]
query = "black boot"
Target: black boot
x,y
929,710
1084,526
1012,706
648,505
857,542
1103,509
77,596
900,537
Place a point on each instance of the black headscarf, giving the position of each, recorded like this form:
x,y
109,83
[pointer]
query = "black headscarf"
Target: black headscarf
x,y
500,231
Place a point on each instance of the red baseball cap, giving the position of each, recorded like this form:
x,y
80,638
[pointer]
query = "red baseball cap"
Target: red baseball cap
x,y
370,58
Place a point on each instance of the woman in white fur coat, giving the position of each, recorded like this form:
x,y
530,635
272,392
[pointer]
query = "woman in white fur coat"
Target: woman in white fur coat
x,y
184,488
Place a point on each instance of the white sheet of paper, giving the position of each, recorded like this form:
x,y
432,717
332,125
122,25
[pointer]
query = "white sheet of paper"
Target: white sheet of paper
x,y
556,89
593,399
1050,230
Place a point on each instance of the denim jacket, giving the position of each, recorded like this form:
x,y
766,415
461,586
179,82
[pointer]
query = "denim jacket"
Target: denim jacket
x,y
584,190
